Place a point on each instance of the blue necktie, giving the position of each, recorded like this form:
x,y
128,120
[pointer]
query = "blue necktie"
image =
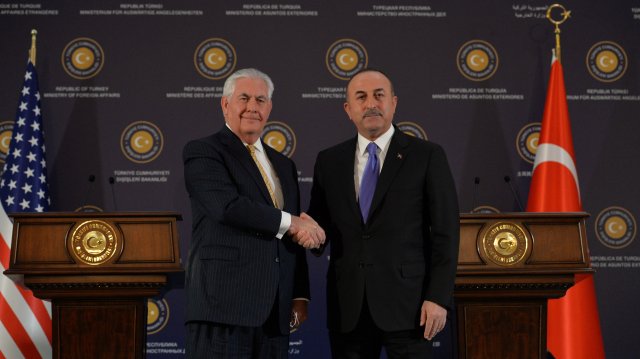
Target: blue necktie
x,y
369,180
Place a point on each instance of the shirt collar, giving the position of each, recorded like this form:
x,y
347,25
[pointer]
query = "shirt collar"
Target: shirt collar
x,y
257,144
382,142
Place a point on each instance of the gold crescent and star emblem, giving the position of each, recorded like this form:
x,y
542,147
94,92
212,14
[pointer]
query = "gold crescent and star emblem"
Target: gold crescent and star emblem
x,y
565,14
477,60
141,141
93,242
279,136
607,61
616,227
83,58
505,243
345,58
215,58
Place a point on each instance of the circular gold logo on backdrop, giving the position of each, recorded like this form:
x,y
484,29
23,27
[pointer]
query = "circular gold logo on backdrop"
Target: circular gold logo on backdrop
x,y
615,227
505,243
6,131
141,142
345,58
280,137
412,129
477,60
606,61
527,141
82,58
157,315
93,242
215,58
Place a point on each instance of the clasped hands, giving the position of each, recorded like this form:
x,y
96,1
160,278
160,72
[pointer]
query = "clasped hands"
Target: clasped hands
x,y
306,231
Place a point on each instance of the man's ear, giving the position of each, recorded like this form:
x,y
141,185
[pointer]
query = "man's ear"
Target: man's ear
x,y
347,109
224,103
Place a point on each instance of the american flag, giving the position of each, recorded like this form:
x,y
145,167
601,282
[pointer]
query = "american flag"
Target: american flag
x,y
25,321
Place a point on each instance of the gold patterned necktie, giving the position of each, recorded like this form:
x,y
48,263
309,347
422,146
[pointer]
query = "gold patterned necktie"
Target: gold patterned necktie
x,y
272,193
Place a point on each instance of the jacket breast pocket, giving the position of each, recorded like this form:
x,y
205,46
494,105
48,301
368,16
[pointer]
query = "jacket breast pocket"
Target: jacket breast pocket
x,y
221,253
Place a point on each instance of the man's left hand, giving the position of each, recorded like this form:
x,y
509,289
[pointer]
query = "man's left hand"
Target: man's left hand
x,y
433,317
298,314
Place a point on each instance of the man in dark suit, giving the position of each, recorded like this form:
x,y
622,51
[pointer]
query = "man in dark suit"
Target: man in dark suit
x,y
388,204
246,275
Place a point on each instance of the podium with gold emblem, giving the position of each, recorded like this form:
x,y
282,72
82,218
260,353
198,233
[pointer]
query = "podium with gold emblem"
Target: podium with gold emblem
x,y
509,265
98,269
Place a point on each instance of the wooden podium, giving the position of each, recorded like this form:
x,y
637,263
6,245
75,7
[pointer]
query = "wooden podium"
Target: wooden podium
x,y
98,270
509,265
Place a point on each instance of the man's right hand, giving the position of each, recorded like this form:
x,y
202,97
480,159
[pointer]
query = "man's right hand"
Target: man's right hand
x,y
306,232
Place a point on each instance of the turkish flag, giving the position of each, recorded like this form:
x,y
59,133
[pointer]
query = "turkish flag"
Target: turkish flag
x,y
573,326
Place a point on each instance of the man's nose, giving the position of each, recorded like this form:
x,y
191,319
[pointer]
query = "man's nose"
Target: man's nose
x,y
370,103
252,105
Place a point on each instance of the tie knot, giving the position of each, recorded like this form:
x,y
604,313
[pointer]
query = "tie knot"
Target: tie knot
x,y
372,148
251,148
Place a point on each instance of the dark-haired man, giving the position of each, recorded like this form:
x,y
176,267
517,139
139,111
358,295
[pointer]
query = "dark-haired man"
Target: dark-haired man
x,y
388,204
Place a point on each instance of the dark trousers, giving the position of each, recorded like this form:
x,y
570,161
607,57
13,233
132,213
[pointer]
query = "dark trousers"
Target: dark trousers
x,y
223,341
366,341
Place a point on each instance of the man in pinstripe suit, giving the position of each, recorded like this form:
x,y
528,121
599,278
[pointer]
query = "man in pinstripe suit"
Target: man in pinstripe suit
x,y
246,275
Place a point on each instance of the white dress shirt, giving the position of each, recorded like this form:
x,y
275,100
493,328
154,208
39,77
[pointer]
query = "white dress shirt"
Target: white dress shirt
x,y
285,220
362,156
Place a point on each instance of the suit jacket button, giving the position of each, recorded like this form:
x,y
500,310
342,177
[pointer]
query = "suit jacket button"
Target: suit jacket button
x,y
277,260
366,236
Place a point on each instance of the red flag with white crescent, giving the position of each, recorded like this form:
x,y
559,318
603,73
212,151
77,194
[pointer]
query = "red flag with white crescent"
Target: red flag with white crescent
x,y
573,325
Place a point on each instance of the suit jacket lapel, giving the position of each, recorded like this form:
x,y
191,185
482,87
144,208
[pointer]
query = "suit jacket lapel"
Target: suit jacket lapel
x,y
392,164
344,167
280,168
237,150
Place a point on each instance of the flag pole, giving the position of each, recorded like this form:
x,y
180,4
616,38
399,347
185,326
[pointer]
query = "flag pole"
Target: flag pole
x,y
573,323
32,50
565,15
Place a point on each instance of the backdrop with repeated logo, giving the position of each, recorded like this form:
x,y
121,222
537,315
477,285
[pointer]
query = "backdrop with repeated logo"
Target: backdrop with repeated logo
x,y
125,85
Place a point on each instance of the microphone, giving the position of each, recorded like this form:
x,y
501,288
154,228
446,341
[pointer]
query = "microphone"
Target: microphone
x,y
514,192
92,178
113,193
476,181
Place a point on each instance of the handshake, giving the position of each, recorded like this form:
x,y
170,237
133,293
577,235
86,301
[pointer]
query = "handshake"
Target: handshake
x,y
306,232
